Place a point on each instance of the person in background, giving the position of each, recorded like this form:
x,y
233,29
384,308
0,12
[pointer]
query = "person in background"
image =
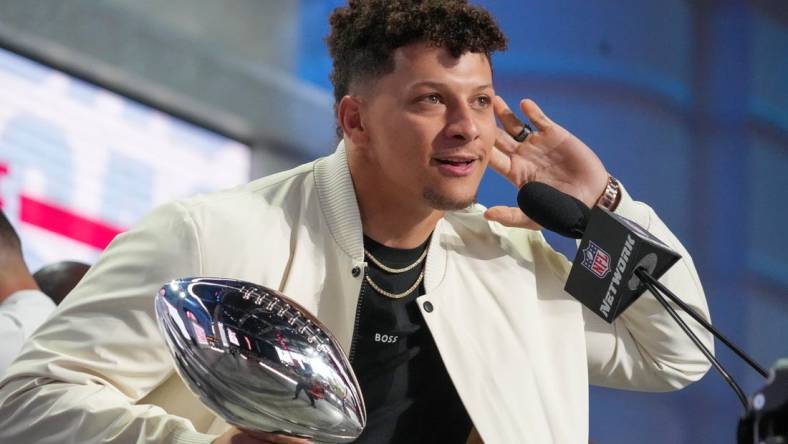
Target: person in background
x,y
57,280
23,307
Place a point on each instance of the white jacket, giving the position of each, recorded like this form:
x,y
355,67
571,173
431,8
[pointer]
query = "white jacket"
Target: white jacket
x,y
521,352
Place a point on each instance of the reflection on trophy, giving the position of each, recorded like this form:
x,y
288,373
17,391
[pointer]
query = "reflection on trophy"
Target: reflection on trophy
x,y
259,360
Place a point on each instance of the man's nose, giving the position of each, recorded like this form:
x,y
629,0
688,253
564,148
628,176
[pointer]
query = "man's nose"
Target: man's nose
x,y
461,123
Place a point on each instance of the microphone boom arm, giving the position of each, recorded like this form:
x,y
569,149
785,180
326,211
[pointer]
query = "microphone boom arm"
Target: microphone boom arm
x,y
646,277
725,375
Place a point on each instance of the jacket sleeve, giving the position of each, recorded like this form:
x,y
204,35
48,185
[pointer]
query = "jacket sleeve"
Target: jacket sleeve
x,y
644,348
80,376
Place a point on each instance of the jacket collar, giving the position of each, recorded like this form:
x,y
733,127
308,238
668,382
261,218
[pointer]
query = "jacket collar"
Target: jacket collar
x,y
337,198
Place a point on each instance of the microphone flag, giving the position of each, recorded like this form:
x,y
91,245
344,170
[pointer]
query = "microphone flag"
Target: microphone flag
x,y
603,273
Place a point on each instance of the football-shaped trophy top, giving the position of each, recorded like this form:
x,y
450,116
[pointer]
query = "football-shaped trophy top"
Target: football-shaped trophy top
x,y
259,360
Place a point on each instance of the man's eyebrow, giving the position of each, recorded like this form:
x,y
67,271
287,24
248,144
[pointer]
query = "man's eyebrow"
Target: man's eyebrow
x,y
438,85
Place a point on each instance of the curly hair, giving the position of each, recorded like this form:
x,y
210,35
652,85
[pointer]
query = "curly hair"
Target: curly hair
x,y
365,33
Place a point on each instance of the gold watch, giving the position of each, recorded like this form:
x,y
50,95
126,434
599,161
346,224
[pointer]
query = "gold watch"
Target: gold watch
x,y
611,196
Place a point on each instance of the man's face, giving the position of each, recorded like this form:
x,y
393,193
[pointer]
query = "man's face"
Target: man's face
x,y
431,126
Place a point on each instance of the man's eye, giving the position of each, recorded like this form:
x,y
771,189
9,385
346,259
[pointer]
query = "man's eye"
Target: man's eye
x,y
483,101
433,99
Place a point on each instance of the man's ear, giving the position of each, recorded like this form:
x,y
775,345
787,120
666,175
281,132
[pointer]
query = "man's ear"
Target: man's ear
x,y
349,113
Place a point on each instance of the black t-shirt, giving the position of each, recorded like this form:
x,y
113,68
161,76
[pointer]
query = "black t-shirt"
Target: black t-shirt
x,y
408,393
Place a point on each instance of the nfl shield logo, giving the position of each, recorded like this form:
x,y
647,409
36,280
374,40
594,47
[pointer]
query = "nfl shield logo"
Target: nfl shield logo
x,y
596,260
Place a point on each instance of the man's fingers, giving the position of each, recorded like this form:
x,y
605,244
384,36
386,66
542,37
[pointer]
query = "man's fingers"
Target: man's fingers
x,y
535,114
505,142
282,439
500,161
510,217
511,123
275,438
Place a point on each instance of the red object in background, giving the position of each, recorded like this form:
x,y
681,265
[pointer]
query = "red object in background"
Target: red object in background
x,y
3,172
66,223
62,221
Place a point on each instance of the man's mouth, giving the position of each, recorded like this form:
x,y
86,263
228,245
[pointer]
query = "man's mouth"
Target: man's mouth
x,y
455,162
455,166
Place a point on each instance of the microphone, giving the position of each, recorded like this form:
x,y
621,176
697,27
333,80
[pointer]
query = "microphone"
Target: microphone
x,y
554,210
603,274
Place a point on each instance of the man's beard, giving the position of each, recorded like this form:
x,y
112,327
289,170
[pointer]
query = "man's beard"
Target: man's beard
x,y
444,203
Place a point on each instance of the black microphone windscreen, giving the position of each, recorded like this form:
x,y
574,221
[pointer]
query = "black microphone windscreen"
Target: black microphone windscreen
x,y
553,209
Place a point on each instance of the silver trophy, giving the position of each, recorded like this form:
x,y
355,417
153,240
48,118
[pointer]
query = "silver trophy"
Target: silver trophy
x,y
259,360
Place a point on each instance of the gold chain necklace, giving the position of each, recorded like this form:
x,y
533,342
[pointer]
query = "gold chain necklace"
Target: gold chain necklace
x,y
383,267
380,264
395,295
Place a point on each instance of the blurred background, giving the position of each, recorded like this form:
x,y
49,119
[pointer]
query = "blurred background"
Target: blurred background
x,y
108,108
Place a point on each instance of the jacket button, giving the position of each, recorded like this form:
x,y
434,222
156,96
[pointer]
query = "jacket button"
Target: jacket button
x,y
428,307
356,271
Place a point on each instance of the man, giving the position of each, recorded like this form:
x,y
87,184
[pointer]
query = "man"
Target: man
x,y
22,306
454,317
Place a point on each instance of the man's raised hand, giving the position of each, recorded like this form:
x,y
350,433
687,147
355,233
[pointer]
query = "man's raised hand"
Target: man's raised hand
x,y
550,154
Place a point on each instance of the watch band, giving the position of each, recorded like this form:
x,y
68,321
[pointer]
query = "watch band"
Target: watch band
x,y
611,196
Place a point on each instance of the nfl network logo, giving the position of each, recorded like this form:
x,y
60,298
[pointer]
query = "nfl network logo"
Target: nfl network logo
x,y
596,260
